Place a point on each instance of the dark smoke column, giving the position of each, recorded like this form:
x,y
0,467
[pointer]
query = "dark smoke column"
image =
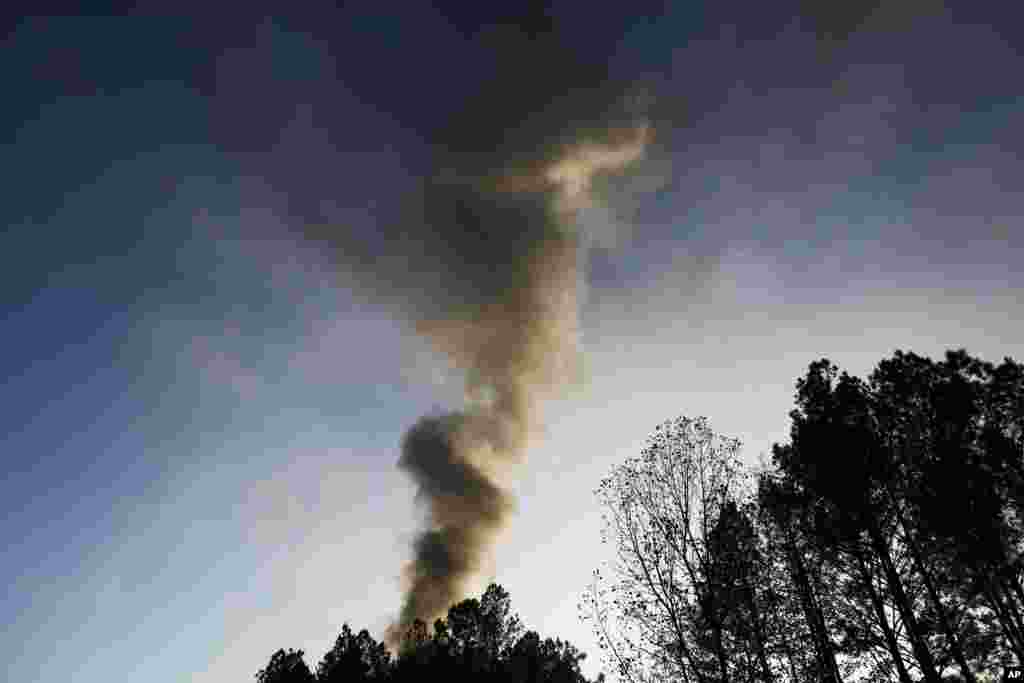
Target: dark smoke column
x,y
515,349
497,224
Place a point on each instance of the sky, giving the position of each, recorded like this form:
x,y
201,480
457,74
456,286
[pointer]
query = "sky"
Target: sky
x,y
210,342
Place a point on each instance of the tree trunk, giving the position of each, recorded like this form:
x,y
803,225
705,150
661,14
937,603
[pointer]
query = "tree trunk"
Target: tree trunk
x,y
791,658
711,615
684,655
890,637
920,647
951,636
1011,608
827,666
757,633
1011,631
723,662
1014,580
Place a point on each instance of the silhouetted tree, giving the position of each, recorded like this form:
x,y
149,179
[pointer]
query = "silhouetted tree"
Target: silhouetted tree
x,y
354,658
484,626
954,429
736,569
479,639
667,611
800,581
839,456
420,653
479,634
532,660
910,485
885,542
286,667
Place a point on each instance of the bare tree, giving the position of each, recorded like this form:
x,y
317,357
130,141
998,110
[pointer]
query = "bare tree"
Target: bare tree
x,y
662,613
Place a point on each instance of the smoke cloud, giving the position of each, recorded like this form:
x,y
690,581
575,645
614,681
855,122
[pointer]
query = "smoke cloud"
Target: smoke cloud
x,y
487,264
515,348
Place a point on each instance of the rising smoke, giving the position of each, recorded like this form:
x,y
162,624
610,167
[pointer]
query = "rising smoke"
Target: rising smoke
x,y
515,349
489,256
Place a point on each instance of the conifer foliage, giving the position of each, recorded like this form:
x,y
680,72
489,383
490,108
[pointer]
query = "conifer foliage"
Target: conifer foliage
x,y
882,543
479,639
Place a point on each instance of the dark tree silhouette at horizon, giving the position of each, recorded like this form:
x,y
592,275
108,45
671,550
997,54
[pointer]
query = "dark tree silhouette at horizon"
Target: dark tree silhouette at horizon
x,y
908,479
884,541
286,667
479,639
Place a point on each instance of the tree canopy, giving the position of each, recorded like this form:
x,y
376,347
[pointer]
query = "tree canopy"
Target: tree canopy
x,y
883,541
479,639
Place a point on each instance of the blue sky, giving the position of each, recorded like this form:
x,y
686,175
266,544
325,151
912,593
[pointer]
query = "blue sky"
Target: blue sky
x,y
202,412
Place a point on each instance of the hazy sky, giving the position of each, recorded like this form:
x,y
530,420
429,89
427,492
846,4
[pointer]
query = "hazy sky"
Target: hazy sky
x,y
202,409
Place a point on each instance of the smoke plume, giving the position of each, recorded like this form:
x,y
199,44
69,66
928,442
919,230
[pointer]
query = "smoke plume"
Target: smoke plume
x,y
487,264
515,349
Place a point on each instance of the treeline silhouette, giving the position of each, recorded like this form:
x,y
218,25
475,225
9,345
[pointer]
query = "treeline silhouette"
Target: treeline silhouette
x,y
478,640
883,542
